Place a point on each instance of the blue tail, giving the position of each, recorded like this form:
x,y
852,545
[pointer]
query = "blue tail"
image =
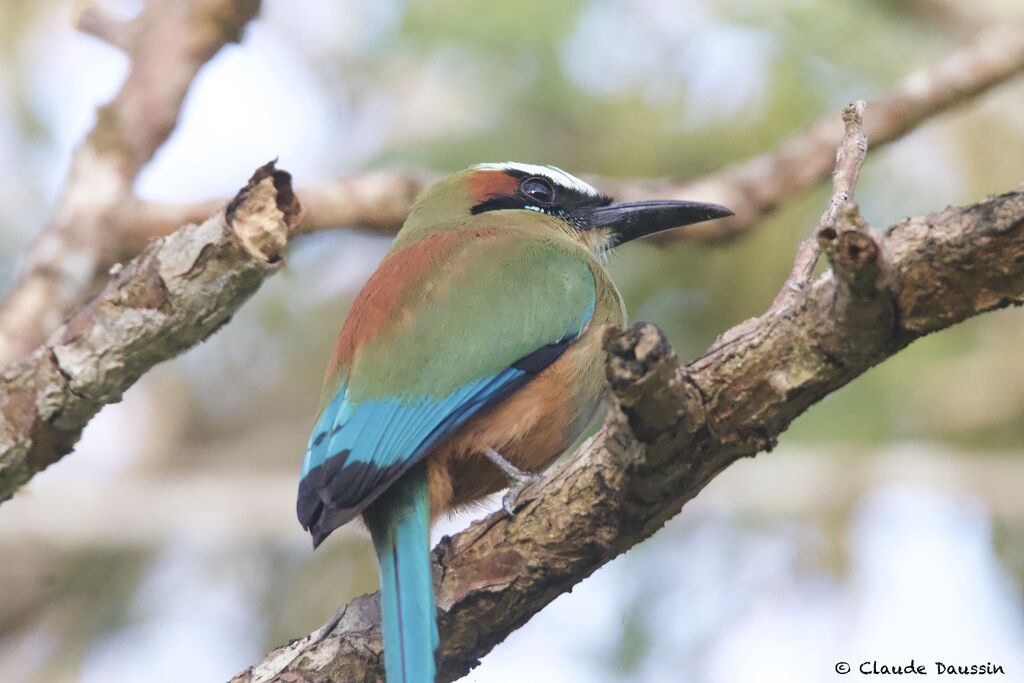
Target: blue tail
x,y
399,522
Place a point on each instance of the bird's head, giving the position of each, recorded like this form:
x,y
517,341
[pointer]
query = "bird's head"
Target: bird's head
x,y
485,194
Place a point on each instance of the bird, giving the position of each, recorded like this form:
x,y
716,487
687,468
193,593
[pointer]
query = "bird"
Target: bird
x,y
470,360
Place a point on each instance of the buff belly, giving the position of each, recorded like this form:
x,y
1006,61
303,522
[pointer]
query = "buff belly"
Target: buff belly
x,y
531,428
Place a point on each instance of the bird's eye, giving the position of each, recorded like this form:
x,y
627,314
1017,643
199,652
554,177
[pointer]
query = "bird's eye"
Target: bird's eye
x,y
539,189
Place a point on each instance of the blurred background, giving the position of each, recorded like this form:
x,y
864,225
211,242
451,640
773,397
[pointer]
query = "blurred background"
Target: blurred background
x,y
889,522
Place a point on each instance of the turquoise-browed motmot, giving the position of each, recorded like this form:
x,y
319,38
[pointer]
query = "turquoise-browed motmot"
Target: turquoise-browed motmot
x,y
472,354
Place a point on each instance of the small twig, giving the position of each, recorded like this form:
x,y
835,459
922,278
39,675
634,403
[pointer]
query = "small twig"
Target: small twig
x,y
850,156
98,22
952,16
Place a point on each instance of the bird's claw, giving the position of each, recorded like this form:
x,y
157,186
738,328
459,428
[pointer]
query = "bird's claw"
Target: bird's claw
x,y
511,497
520,479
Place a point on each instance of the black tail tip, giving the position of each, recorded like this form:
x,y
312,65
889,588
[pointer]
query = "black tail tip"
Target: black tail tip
x,y
319,536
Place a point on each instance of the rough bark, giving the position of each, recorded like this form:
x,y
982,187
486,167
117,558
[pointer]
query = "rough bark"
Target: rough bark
x,y
167,44
850,155
177,292
673,427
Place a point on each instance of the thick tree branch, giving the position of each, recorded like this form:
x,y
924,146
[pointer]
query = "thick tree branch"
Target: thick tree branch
x,y
673,428
177,292
167,44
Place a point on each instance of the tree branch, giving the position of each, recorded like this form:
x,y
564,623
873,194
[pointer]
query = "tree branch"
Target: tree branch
x,y
99,222
752,188
378,202
952,17
167,44
672,428
98,22
850,155
177,292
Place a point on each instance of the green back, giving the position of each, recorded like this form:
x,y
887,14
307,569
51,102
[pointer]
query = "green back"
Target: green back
x,y
492,300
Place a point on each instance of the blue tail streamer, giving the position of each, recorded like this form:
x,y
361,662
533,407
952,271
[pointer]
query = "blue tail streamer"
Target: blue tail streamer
x,y
399,522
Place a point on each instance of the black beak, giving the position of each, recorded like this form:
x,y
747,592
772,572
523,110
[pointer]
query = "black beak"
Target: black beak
x,y
632,220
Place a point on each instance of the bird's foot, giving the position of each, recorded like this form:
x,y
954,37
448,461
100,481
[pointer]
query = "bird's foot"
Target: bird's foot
x,y
518,478
508,501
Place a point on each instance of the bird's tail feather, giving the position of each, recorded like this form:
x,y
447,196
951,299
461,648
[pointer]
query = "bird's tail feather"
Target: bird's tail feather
x,y
399,522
